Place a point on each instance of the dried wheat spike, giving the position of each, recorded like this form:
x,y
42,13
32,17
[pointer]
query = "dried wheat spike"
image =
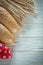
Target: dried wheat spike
x,y
12,13
18,8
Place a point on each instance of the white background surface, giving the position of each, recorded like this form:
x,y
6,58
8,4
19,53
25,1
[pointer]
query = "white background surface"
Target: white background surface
x,y
29,49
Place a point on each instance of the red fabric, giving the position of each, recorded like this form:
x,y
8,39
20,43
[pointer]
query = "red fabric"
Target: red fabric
x,y
4,52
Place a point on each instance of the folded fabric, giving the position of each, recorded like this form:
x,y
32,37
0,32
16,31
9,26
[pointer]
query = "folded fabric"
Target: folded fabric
x,y
5,52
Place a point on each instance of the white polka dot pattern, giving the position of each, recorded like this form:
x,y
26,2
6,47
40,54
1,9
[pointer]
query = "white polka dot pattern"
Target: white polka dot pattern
x,y
4,52
4,57
0,44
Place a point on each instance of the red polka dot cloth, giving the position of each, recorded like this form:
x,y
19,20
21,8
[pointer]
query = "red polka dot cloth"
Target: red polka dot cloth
x,y
4,52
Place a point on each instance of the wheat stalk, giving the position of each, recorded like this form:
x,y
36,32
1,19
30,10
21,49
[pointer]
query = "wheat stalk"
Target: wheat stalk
x,y
18,8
